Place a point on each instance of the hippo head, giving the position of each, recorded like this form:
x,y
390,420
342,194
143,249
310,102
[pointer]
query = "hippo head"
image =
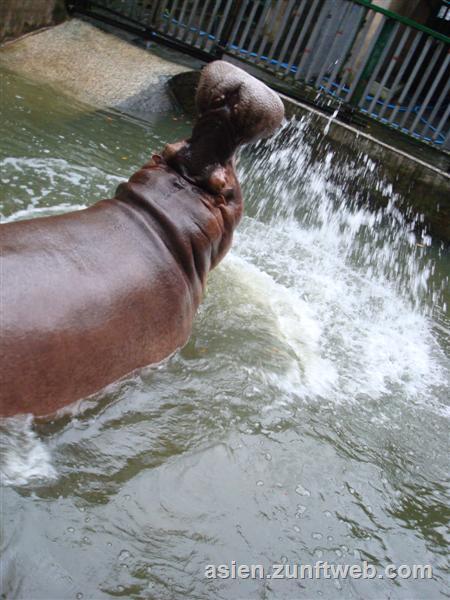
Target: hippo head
x,y
233,108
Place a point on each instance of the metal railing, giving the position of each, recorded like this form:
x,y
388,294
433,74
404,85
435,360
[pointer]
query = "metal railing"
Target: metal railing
x,y
384,65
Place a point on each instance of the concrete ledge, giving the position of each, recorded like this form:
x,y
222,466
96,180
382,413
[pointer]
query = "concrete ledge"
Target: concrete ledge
x,y
95,67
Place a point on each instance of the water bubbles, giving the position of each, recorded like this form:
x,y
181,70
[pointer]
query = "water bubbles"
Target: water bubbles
x,y
260,483
70,529
301,491
124,555
316,535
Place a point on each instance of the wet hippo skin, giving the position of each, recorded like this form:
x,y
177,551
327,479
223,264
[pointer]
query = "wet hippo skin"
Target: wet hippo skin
x,y
90,296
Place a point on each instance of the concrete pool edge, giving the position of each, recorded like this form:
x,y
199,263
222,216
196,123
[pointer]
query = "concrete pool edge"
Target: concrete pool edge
x,y
108,72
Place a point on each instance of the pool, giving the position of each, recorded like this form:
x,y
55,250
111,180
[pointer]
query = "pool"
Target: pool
x,y
306,419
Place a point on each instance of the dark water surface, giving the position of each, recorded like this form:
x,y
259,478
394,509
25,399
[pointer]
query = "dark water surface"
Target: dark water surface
x,y
306,420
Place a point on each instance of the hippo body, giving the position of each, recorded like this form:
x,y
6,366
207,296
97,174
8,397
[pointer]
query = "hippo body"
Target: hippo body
x,y
89,296
107,289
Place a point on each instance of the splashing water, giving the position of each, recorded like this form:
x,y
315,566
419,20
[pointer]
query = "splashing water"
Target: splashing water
x,y
24,459
349,282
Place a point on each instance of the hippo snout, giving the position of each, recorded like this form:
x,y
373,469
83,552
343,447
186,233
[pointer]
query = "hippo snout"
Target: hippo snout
x,y
255,110
234,108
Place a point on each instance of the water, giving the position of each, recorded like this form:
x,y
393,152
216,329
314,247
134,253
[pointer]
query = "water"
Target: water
x,y
306,419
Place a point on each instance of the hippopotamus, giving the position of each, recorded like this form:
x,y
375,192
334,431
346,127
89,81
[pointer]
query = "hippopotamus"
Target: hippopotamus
x,y
91,296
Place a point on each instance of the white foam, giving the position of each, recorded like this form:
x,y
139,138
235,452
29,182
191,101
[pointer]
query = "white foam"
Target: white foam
x,y
24,457
52,185
43,211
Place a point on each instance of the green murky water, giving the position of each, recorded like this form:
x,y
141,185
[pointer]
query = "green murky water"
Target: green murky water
x,y
306,420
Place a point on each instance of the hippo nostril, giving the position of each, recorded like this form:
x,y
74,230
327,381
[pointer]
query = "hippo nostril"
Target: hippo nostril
x,y
218,101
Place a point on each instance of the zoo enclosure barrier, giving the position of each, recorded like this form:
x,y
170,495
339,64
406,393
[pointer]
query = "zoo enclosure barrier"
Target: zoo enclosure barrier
x,y
383,65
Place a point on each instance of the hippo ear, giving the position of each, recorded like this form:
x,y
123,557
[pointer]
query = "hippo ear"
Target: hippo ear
x,y
255,110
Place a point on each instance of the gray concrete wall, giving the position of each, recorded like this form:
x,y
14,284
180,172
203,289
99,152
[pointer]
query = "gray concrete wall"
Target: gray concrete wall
x,y
21,16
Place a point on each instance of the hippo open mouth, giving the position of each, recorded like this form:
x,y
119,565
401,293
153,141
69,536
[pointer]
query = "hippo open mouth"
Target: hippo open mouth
x,y
89,296
234,108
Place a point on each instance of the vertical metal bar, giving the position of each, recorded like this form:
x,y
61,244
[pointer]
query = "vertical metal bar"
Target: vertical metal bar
x,y
189,22
265,38
223,21
380,63
302,33
168,26
388,71
423,81
135,10
355,53
400,72
431,92
209,27
367,19
237,23
312,38
152,13
142,14
267,6
338,32
181,19
437,107
351,38
248,25
159,22
259,26
441,125
411,78
356,88
281,31
298,13
196,34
